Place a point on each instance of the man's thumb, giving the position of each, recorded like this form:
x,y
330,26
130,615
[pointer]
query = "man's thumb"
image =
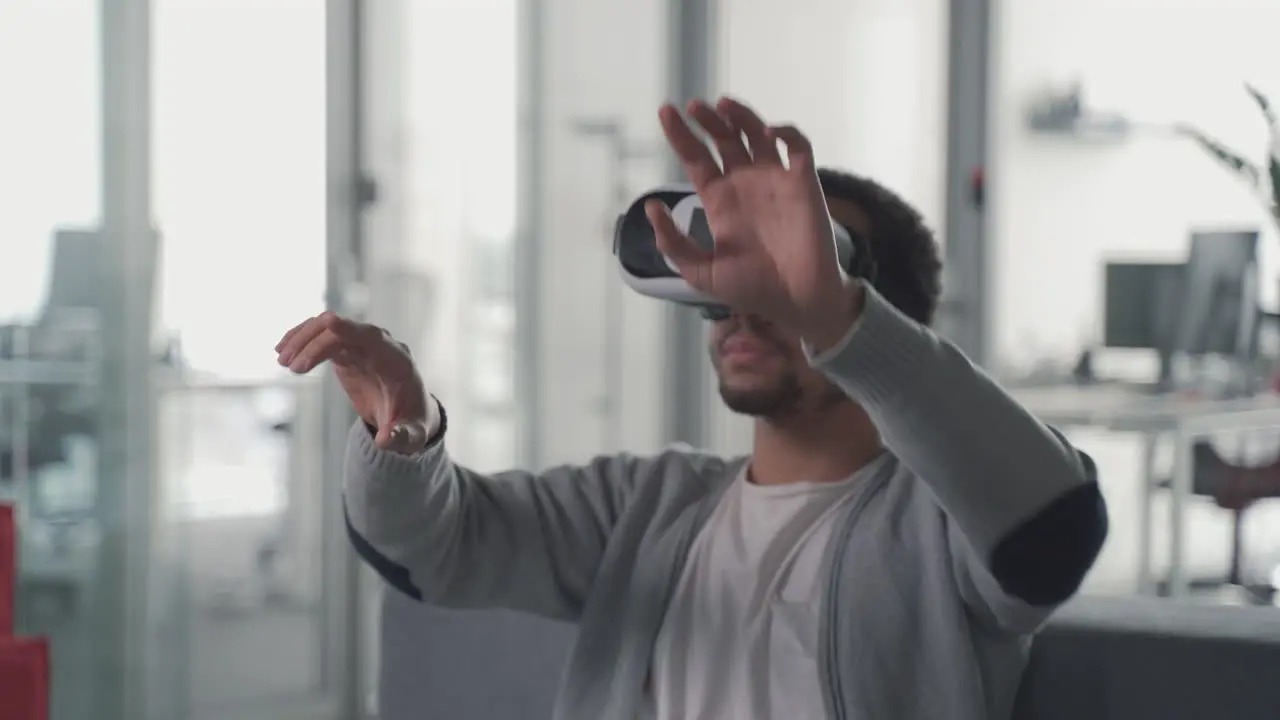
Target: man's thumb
x,y
405,437
385,435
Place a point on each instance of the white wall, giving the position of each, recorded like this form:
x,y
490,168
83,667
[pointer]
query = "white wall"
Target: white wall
x,y
1058,207
604,60
50,141
447,159
865,79
455,134
238,175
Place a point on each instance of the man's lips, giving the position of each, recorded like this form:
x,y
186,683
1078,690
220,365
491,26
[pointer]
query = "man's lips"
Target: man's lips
x,y
739,349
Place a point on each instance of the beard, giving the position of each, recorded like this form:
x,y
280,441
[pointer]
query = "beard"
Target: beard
x,y
784,399
785,396
777,401
774,400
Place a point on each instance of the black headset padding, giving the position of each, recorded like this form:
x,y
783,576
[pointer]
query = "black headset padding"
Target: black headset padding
x,y
863,260
635,224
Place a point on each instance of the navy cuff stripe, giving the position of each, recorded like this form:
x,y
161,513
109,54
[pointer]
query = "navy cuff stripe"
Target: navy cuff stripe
x,y
1043,561
438,436
395,574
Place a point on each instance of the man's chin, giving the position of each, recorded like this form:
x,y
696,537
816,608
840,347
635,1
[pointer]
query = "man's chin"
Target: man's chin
x,y
758,402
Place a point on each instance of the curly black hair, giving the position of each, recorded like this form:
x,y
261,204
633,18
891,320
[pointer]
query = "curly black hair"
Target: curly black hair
x,y
908,262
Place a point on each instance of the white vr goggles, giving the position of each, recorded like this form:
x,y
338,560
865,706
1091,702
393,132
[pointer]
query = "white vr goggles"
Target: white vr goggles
x,y
647,271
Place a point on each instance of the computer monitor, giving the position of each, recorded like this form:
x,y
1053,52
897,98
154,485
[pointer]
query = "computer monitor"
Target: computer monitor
x,y
79,275
75,271
1140,304
1218,311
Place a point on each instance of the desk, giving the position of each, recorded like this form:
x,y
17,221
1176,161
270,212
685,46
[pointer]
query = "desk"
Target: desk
x,y
1120,409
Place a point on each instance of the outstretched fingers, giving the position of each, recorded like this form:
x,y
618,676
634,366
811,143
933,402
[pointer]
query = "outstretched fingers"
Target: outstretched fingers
x,y
699,164
327,336
728,124
799,149
764,149
723,134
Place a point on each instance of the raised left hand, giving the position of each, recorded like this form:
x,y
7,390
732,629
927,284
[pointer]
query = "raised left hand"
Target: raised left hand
x,y
774,252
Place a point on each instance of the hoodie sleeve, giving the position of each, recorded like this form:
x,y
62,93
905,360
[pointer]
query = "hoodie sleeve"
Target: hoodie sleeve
x,y
443,534
1026,516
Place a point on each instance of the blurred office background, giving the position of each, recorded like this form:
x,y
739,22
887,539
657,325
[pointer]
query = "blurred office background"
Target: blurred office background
x,y
183,180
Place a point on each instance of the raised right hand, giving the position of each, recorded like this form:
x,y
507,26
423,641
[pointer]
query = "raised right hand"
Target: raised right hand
x,y
375,371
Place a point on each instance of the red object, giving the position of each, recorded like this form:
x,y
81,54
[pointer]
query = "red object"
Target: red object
x,y
8,569
978,186
24,679
24,662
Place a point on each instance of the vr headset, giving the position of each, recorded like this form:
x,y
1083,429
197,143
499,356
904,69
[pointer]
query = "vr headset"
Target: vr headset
x,y
647,271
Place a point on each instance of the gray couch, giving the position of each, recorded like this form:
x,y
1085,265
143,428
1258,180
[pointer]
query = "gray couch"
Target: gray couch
x,y
1100,659
1143,659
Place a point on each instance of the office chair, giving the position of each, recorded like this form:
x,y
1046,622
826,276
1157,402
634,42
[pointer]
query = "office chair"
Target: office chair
x,y
1235,488
52,413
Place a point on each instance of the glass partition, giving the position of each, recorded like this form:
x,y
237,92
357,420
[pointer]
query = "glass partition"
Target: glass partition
x,y
50,335
169,483
1104,214
498,189
238,125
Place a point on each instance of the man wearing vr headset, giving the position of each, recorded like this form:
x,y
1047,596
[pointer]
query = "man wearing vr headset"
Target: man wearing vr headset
x,y
899,531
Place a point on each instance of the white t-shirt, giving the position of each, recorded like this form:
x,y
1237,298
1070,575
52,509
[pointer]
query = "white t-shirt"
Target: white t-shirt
x,y
740,638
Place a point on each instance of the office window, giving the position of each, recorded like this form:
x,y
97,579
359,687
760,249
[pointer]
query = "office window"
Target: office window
x,y
459,174
50,141
1062,205
50,181
239,200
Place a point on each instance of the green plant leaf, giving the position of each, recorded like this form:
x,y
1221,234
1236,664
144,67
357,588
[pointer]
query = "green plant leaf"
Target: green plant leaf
x,y
1273,163
1273,169
1232,159
1263,104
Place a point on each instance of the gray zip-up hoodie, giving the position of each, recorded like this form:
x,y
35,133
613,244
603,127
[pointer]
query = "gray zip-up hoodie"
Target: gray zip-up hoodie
x,y
959,548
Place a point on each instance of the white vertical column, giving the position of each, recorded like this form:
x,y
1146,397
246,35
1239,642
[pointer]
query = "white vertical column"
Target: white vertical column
x,y
692,32
531,199
395,301
965,312
601,62
347,193
126,478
